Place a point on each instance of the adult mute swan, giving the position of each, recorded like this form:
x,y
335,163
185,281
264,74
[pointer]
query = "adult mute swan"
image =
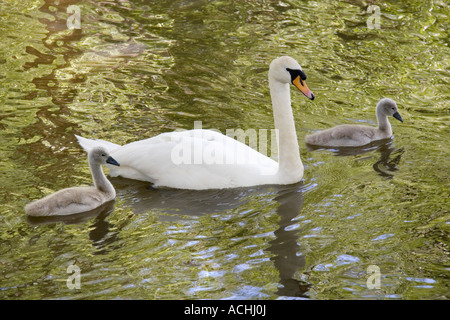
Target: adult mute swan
x,y
79,199
205,159
358,135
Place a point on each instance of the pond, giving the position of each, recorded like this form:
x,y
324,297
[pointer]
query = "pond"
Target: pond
x,y
367,223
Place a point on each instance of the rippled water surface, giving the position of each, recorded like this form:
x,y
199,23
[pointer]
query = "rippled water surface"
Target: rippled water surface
x,y
134,69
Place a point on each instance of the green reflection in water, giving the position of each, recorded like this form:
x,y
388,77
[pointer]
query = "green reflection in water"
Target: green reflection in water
x,y
137,68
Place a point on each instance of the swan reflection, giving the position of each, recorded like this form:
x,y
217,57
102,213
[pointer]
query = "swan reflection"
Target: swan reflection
x,y
284,248
387,162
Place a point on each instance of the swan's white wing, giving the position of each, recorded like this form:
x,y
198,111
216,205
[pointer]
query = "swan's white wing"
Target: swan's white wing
x,y
194,159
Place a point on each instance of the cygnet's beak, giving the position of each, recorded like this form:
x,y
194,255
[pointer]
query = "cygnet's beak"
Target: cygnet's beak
x,y
397,116
112,161
301,85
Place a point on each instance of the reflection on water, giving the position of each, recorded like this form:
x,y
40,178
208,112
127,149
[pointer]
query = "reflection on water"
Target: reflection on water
x,y
386,164
389,160
287,256
100,230
142,197
175,203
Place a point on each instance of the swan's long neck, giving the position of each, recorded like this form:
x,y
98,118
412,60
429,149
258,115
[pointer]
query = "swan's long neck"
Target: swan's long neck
x,y
100,181
383,123
290,165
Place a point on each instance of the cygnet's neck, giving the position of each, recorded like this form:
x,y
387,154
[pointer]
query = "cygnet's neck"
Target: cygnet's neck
x,y
289,163
100,181
383,123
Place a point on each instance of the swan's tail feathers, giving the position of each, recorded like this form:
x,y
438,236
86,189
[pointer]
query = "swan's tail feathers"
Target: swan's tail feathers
x,y
89,144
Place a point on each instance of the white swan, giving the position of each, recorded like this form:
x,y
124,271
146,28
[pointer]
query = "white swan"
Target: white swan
x,y
348,135
205,159
79,199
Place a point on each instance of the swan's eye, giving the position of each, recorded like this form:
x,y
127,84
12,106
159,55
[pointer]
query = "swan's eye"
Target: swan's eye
x,y
296,73
103,155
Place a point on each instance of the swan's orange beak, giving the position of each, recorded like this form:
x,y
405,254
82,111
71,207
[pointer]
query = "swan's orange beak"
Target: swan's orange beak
x,y
301,85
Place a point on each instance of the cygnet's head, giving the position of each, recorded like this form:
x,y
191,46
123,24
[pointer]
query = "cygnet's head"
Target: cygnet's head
x,y
389,107
287,70
101,156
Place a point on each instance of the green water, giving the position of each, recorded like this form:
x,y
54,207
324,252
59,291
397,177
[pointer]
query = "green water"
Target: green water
x,y
135,69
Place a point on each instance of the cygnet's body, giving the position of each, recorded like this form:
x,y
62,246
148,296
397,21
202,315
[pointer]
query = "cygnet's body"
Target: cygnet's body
x,y
79,199
358,135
